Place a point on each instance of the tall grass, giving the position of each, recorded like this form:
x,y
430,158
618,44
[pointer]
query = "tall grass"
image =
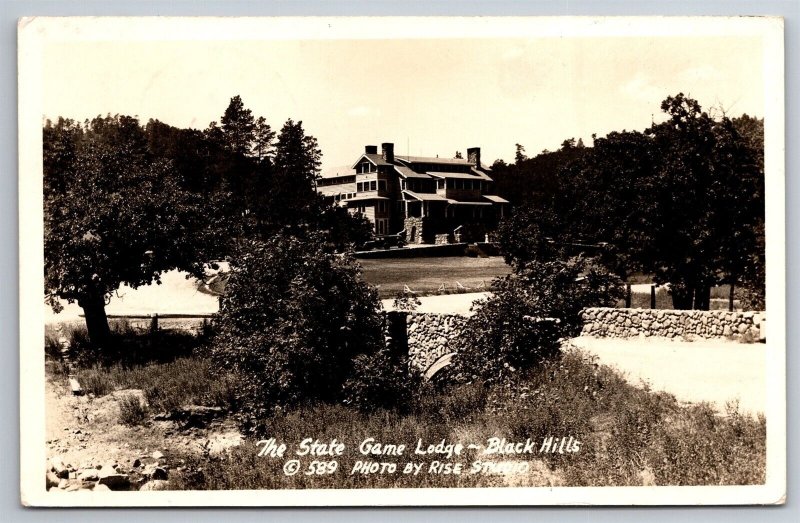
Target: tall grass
x,y
629,436
167,386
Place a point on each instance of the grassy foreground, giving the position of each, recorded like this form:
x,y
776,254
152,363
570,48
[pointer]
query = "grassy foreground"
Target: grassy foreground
x,y
627,435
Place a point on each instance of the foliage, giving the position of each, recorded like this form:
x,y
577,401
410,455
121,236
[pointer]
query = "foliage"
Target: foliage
x,y
628,436
132,411
166,386
406,301
380,381
114,214
528,315
293,318
683,200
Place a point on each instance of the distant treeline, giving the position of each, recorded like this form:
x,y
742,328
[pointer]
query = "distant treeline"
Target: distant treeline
x,y
682,200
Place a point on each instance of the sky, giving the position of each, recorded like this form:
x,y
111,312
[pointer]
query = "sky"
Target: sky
x,y
427,96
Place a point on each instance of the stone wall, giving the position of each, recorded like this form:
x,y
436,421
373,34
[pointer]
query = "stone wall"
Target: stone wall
x,y
429,336
443,239
626,323
417,226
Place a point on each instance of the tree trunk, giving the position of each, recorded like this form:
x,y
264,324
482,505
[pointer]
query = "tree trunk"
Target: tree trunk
x,y
702,298
682,296
94,310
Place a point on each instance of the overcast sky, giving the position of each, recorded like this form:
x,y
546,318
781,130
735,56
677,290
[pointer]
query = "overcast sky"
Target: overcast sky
x,y
429,97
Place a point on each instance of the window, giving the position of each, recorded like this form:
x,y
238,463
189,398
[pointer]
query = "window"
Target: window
x,y
440,184
359,186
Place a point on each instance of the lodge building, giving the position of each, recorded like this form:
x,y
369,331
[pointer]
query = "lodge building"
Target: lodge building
x,y
428,200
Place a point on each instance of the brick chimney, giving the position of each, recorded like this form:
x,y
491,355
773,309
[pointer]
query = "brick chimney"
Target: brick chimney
x,y
387,151
371,149
474,156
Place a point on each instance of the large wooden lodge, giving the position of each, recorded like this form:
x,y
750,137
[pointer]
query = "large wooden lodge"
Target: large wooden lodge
x,y
427,200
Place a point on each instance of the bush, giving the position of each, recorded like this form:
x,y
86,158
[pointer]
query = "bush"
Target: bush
x,y
132,411
531,310
96,381
380,381
293,319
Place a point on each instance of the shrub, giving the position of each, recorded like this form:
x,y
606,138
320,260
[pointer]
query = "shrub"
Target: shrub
x,y
96,381
531,310
132,411
293,319
379,381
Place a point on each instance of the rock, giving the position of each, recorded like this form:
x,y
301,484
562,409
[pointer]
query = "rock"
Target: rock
x,y
157,454
155,472
137,463
158,484
726,331
58,466
101,487
88,475
112,479
52,479
63,483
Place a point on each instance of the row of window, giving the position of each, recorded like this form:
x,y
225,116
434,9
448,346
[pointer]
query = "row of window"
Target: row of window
x,y
450,183
373,185
345,196
460,184
381,206
366,167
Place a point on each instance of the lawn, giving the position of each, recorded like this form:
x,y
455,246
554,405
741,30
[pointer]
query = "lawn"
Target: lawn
x,y
425,276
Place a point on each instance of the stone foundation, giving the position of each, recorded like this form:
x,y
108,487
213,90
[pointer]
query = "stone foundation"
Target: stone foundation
x,y
627,323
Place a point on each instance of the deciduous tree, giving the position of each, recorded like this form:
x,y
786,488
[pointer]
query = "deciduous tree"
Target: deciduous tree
x,y
113,214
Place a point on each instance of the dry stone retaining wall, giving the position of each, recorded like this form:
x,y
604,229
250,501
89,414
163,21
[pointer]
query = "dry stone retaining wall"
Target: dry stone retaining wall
x,y
429,336
626,323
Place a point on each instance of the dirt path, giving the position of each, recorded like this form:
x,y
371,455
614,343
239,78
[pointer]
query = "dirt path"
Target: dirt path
x,y
85,434
715,371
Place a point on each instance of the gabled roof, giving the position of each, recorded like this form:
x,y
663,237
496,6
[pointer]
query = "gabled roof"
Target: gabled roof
x,y
495,199
427,159
364,198
426,197
376,159
481,175
407,172
459,176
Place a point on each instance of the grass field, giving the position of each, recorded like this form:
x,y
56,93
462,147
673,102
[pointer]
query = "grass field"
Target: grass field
x,y
426,275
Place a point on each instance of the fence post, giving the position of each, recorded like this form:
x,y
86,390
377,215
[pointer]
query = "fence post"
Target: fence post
x,y
730,298
652,296
154,323
628,296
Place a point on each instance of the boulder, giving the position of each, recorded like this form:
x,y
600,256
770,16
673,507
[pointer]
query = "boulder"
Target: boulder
x,y
88,475
57,465
112,479
157,484
52,479
155,472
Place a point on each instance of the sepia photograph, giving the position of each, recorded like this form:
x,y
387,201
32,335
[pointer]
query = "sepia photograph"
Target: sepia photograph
x,y
402,261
